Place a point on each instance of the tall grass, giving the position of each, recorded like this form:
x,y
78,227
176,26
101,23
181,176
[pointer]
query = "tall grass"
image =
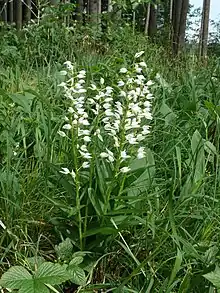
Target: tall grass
x,y
166,236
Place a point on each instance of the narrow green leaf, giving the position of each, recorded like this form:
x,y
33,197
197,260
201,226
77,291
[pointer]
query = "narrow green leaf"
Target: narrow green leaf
x,y
95,201
176,267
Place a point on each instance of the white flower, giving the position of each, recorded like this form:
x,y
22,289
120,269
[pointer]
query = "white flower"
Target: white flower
x,y
2,225
67,126
131,139
149,83
116,144
121,83
62,84
85,165
102,81
81,81
83,132
124,155
15,153
150,96
71,110
138,69
65,171
81,74
85,155
143,64
108,112
80,91
125,170
61,133
103,155
123,70
68,65
106,106
139,54
66,118
145,129
63,72
93,87
73,174
86,138
141,153
83,121
122,94
84,148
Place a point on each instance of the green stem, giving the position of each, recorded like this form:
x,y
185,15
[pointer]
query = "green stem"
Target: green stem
x,y
77,183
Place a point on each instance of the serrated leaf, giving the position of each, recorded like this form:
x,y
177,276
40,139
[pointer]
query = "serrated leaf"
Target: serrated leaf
x,y
76,261
77,274
52,274
65,249
33,286
15,277
35,261
214,277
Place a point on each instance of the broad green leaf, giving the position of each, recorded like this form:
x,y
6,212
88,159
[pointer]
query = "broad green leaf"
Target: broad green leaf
x,y
77,275
52,274
210,148
198,162
167,113
214,277
15,277
33,286
144,180
95,201
76,261
35,261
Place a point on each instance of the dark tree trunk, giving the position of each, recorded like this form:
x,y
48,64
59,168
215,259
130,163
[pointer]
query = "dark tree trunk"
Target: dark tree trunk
x,y
18,10
79,9
152,30
3,11
27,10
204,29
182,27
177,7
11,11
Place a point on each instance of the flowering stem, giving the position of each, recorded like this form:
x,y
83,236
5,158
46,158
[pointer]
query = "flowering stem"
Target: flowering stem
x,y
77,183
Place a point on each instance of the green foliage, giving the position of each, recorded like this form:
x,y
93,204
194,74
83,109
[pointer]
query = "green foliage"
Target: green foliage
x,y
155,231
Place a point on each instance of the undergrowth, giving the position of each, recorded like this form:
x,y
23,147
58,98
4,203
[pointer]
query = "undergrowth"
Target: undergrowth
x,y
152,227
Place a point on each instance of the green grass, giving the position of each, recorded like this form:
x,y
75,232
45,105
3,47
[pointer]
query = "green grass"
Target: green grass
x,y
169,237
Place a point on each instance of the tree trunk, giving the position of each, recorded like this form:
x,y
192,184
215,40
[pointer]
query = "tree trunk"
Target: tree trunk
x,y
182,27
177,7
79,10
147,21
153,21
3,11
93,10
18,9
27,9
203,44
11,12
